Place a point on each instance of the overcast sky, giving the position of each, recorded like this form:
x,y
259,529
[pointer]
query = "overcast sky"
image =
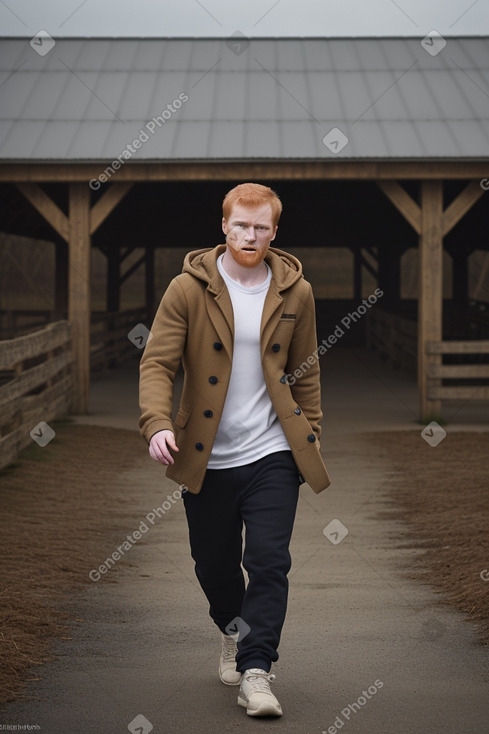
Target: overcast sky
x,y
250,17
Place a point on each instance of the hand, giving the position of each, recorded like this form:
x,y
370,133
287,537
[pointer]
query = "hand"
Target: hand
x,y
159,447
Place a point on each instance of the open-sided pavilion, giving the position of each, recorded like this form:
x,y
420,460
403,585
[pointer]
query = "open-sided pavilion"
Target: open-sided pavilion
x,y
378,145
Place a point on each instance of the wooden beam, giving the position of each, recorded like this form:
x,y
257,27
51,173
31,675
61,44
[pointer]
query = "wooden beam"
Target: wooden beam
x,y
242,169
79,292
34,377
33,344
478,392
482,277
61,276
403,203
107,203
357,274
479,346
461,205
366,264
46,208
149,281
133,268
459,371
389,275
113,296
129,249
460,289
113,280
430,290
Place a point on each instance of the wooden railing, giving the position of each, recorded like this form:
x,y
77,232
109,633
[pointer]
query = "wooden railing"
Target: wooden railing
x,y
460,372
35,385
395,338
15,322
109,342
471,378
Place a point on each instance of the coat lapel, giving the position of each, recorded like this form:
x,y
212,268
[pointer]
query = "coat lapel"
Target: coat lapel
x,y
220,310
270,316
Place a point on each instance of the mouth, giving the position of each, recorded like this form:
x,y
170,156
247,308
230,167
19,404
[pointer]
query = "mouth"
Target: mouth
x,y
248,249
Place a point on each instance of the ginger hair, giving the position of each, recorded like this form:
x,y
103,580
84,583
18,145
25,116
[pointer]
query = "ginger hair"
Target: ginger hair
x,y
252,195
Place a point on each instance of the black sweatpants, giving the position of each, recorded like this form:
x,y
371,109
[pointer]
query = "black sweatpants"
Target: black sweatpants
x,y
262,495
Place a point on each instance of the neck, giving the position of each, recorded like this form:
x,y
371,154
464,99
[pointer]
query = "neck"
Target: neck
x,y
244,276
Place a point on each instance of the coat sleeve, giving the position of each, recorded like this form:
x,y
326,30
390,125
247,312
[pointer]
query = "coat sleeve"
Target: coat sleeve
x,y
160,361
306,382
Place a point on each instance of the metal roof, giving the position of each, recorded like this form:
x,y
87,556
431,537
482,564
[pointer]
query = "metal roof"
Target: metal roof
x,y
238,98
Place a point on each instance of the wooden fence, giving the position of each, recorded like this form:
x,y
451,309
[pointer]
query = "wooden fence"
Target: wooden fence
x,y
469,376
109,342
35,385
36,381
461,372
395,338
15,322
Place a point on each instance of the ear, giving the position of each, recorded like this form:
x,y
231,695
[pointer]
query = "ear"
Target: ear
x,y
274,233
224,226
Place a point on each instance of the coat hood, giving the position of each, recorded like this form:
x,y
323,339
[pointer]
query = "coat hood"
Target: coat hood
x,y
202,264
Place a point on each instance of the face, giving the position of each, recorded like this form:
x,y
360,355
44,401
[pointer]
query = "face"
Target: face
x,y
249,232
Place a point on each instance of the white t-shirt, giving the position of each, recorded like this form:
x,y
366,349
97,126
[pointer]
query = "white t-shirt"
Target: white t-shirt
x,y
249,427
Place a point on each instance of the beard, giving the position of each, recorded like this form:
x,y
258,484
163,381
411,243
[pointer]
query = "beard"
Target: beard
x,y
247,259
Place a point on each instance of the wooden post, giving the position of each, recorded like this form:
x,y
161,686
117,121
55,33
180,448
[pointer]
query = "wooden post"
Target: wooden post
x,y
113,278
61,278
389,267
432,224
149,281
357,274
79,291
76,230
113,293
430,288
460,291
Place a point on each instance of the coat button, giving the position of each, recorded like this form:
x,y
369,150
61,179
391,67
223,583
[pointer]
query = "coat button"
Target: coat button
x,y
218,346
208,413
297,411
199,446
283,379
311,438
213,379
276,347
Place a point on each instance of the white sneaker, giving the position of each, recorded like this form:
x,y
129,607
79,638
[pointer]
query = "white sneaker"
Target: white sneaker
x,y
227,662
255,694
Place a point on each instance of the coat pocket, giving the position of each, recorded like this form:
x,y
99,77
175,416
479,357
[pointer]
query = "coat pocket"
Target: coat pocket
x,y
182,418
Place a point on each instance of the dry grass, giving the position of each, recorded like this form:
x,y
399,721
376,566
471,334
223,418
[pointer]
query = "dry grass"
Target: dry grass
x,y
442,494
61,508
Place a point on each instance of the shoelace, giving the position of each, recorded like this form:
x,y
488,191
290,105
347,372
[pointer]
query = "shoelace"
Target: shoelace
x,y
259,681
229,649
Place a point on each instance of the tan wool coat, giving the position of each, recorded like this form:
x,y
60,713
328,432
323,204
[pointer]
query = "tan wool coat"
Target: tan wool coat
x,y
194,325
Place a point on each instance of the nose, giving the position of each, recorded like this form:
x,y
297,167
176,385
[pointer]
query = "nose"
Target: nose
x,y
250,234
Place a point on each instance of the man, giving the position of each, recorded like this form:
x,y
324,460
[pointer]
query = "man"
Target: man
x,y
240,317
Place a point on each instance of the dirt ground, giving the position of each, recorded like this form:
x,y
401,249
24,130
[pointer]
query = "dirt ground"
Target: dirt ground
x,y
442,494
63,505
